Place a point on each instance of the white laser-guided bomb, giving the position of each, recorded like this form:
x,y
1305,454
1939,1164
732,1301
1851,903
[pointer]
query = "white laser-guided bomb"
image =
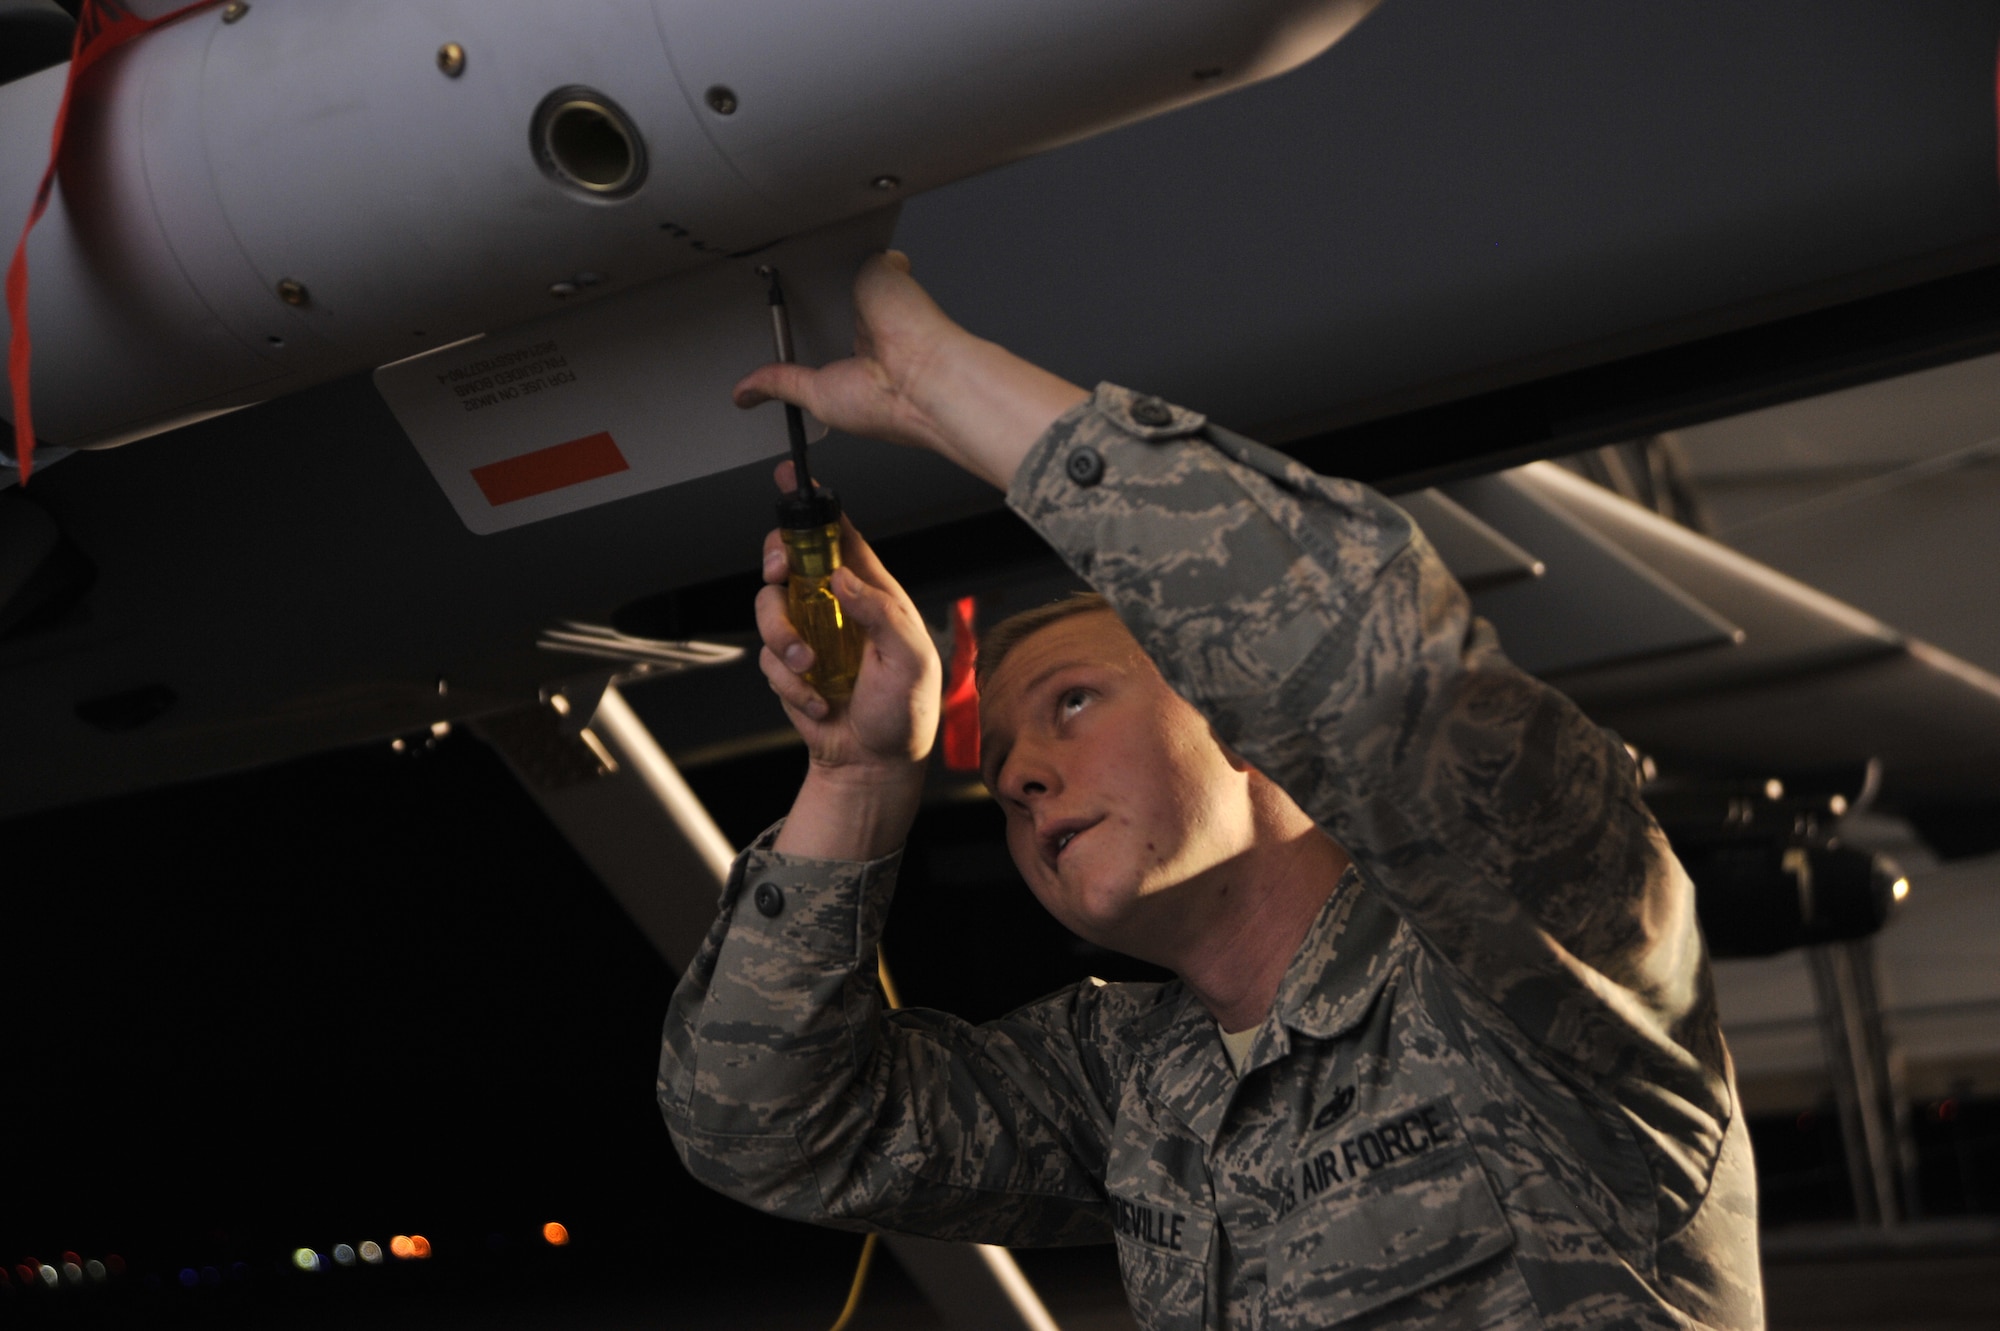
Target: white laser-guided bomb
x,y
257,198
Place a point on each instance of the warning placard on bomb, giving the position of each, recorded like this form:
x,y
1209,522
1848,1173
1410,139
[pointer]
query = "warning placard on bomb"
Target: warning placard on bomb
x,y
491,380
627,393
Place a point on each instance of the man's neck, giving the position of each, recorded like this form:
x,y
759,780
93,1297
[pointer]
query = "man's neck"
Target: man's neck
x,y
1259,915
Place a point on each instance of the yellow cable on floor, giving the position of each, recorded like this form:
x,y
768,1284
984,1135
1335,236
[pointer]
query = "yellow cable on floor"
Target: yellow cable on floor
x,y
860,1279
868,1245
888,985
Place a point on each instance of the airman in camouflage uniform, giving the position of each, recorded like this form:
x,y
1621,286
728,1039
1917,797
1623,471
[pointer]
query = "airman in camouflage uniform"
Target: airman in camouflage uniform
x,y
1491,1090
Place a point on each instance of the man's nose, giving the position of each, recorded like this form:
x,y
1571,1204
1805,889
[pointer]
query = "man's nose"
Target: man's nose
x,y
1028,775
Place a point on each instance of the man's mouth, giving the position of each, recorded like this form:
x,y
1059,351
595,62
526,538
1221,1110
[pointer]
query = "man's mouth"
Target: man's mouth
x,y
1058,840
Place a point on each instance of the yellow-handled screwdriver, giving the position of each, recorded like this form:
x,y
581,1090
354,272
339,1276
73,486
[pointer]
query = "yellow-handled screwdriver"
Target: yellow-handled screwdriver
x,y
809,522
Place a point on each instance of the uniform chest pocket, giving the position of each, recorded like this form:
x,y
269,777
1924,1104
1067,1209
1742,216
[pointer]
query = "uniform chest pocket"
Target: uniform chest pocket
x,y
1163,1258
1163,1214
1395,1232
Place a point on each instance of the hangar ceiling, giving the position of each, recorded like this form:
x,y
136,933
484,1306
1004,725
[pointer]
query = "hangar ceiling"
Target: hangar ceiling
x,y
1884,497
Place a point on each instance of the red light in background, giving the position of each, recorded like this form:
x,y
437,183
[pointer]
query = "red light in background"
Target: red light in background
x,y
555,1234
961,691
419,1246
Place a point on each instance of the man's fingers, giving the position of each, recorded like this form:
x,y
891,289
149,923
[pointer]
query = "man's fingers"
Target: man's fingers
x,y
776,569
775,628
791,688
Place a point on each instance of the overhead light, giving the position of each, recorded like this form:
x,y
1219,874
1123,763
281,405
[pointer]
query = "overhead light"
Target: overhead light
x,y
1757,897
1773,874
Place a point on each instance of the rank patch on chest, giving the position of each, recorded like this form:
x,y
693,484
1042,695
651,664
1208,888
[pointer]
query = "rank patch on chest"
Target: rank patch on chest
x,y
1336,1105
1387,1141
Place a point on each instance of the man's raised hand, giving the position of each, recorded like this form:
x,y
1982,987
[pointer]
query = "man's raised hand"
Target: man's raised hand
x,y
918,379
866,776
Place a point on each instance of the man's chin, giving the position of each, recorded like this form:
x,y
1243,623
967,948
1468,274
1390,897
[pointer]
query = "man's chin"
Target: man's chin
x,y
1113,917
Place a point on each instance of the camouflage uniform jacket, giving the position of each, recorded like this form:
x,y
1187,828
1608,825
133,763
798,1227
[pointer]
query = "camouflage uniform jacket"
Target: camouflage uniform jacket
x,y
1492,1091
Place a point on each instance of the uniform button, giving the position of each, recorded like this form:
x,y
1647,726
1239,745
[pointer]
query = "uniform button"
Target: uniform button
x,y
1152,411
769,899
1085,466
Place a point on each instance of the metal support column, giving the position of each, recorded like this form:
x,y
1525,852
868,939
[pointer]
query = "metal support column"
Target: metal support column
x,y
1865,1089
612,791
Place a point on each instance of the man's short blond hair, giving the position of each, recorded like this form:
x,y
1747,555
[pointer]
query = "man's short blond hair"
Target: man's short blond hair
x,y
1012,631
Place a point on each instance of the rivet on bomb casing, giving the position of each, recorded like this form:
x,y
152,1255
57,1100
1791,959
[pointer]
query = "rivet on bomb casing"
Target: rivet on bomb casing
x,y
569,286
721,101
234,10
886,182
293,293
451,59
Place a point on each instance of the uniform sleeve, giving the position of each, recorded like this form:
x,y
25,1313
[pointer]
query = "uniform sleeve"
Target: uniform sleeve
x,y
1325,641
786,1083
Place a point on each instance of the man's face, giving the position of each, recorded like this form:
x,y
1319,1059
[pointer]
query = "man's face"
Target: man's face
x,y
1116,792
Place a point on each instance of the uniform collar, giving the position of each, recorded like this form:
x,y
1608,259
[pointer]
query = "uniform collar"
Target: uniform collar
x,y
1186,1066
1346,956
1327,989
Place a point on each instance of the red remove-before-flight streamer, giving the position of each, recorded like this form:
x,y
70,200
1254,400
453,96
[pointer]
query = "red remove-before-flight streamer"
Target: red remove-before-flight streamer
x,y
101,27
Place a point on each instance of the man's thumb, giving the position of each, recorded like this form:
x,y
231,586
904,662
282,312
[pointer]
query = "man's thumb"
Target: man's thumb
x,y
860,602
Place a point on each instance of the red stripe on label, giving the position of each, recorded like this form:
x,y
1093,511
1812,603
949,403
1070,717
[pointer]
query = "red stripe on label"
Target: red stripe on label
x,y
547,469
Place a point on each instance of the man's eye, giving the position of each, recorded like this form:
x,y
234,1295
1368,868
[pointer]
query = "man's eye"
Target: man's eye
x,y
1071,700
